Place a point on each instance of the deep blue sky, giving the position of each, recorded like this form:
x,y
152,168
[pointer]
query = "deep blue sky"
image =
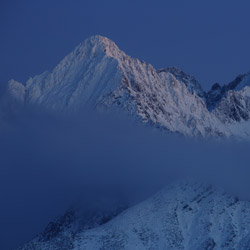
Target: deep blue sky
x,y
208,39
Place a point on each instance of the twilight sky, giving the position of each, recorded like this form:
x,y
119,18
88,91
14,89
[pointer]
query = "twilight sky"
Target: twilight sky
x,y
207,39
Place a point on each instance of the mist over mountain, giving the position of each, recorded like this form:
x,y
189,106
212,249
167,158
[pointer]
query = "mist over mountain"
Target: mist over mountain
x,y
100,163
89,141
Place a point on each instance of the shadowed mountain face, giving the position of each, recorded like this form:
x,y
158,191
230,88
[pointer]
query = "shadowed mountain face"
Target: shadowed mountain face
x,y
98,75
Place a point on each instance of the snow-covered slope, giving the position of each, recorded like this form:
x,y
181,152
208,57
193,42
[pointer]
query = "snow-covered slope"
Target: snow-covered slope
x,y
182,216
191,83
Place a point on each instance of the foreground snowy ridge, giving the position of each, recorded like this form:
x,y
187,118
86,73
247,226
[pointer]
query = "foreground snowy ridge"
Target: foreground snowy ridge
x,y
97,74
183,216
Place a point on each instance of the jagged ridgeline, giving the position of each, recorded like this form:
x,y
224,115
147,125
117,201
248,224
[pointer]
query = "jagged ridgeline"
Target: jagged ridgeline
x,y
97,74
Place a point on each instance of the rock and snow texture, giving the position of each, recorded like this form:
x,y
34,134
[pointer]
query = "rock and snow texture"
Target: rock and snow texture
x,y
97,74
231,104
191,83
235,106
16,90
183,216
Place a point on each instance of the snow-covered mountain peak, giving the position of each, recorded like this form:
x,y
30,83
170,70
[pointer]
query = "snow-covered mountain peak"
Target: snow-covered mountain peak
x,y
98,75
98,39
102,44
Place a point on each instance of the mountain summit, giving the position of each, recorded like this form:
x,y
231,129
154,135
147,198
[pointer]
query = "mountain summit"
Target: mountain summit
x,y
97,74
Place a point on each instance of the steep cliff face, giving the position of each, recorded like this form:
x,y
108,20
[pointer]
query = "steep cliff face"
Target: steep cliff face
x,y
182,216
